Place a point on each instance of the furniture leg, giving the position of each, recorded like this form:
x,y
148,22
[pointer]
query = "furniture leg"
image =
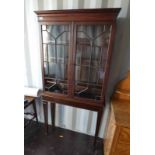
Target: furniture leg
x,y
45,107
53,114
99,117
35,111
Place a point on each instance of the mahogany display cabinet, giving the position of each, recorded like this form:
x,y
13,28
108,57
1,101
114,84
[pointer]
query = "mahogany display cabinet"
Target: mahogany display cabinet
x,y
76,51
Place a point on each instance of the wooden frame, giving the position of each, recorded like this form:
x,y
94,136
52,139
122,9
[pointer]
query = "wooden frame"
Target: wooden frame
x,y
30,101
74,17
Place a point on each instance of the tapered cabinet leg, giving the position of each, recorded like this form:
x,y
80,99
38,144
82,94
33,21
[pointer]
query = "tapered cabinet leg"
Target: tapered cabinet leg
x,y
99,117
35,111
45,107
53,114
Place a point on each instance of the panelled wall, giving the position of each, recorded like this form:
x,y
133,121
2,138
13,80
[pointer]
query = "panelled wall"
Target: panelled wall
x,y
67,117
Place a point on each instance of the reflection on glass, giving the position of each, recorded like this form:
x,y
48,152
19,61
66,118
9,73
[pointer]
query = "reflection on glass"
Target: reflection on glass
x,y
91,54
55,49
46,68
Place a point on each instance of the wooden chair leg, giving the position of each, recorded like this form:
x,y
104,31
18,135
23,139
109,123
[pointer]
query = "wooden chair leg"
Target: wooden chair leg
x,y
35,111
99,117
53,114
45,107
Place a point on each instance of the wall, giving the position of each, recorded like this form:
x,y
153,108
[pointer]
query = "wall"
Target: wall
x,y
67,117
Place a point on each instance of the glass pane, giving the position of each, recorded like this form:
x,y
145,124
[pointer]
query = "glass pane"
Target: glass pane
x,y
45,52
82,55
46,68
81,73
55,49
100,76
51,51
91,55
62,53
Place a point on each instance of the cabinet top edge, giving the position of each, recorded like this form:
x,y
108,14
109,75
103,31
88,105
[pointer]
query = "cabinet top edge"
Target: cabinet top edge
x,y
102,10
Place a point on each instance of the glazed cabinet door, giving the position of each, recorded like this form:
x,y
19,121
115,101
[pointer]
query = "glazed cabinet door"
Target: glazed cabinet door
x,y
90,57
55,47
